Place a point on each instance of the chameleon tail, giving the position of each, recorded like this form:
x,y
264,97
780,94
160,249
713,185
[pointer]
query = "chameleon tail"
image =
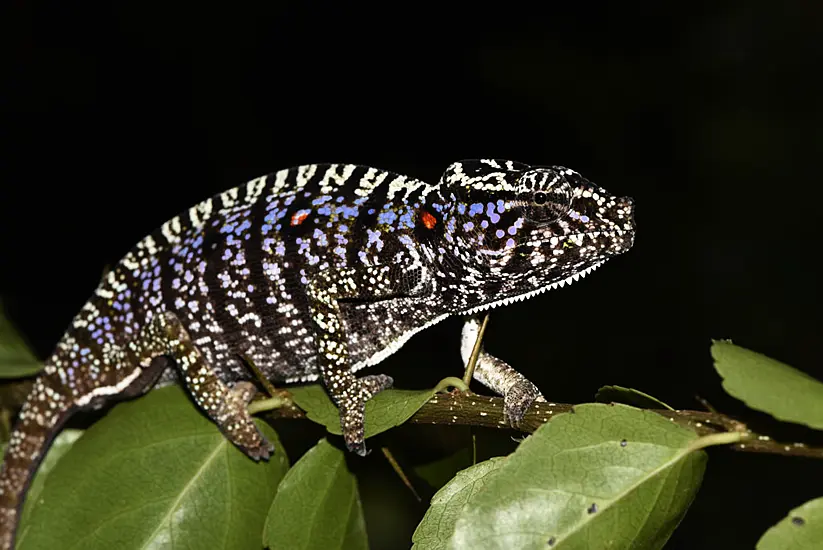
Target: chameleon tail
x,y
42,415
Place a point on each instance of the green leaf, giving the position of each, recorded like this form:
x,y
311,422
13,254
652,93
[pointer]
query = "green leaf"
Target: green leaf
x,y
155,472
16,358
802,529
384,411
629,396
317,505
437,525
602,476
768,385
438,472
59,447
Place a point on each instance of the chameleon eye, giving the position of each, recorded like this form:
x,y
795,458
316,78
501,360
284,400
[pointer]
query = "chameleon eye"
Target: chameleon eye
x,y
544,194
547,206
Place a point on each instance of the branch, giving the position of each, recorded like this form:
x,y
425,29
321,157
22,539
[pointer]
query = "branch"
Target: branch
x,y
469,409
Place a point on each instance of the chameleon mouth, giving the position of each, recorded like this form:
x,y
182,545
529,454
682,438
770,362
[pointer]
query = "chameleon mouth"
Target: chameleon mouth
x,y
578,238
526,295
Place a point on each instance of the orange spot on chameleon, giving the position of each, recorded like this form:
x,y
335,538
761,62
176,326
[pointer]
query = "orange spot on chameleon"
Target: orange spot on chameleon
x,y
299,217
428,219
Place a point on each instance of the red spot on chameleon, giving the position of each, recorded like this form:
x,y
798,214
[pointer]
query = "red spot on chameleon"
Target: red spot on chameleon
x,y
299,217
428,219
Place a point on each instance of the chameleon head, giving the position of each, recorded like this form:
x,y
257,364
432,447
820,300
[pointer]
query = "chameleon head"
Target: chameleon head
x,y
530,228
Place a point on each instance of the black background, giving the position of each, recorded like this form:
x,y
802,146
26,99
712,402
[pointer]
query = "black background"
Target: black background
x,y
116,117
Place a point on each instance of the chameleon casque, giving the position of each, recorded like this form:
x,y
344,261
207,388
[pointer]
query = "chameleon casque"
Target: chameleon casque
x,y
316,272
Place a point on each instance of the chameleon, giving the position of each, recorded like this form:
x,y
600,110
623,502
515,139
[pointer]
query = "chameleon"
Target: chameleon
x,y
316,272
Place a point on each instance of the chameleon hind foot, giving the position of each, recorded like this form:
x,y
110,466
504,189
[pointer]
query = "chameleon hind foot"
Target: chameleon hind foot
x,y
352,405
226,406
244,433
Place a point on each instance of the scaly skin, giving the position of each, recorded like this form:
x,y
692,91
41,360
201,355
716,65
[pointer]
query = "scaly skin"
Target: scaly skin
x,y
315,272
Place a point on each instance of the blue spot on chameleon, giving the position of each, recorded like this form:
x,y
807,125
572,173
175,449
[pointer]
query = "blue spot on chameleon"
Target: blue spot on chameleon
x,y
468,226
512,230
584,218
242,227
406,240
461,208
321,200
387,217
499,233
320,237
349,211
476,209
501,206
407,220
493,216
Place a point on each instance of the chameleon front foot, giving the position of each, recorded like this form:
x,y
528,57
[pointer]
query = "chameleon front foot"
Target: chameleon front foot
x,y
518,392
352,405
237,425
518,400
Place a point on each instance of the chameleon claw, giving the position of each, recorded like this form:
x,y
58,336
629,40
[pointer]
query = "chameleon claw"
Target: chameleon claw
x,y
518,400
264,451
352,407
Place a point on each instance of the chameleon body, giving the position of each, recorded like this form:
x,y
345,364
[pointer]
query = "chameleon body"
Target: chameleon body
x,y
316,272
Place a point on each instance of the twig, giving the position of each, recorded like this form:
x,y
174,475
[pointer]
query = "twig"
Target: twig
x,y
467,376
468,409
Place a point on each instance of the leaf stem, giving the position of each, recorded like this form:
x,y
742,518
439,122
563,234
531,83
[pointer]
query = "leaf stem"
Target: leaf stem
x,y
268,404
451,381
721,438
